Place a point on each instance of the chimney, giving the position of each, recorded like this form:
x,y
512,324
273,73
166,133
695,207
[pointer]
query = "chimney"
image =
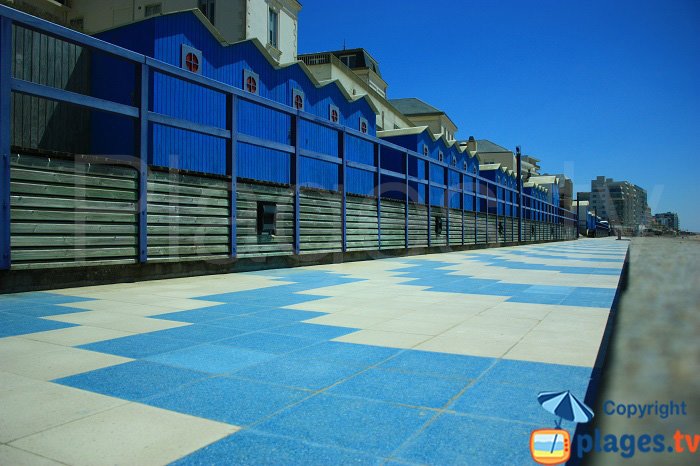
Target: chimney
x,y
472,145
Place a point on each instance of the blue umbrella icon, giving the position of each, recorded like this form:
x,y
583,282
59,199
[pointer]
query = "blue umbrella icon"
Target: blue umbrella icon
x,y
566,406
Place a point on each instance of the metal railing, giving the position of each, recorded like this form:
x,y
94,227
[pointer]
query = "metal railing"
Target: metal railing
x,y
525,207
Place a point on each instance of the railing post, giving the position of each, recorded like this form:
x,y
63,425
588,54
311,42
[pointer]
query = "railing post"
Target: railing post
x,y
341,181
378,191
461,201
406,201
294,179
475,183
427,202
520,193
143,78
488,192
231,171
5,143
446,196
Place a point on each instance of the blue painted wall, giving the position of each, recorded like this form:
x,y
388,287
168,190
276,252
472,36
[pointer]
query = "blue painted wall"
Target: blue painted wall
x,y
185,150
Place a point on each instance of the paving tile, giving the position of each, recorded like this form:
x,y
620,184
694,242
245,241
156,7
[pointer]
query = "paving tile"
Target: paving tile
x,y
371,426
541,376
195,316
133,381
38,406
451,366
477,343
398,387
128,434
382,338
75,336
138,346
313,331
234,401
268,342
504,401
251,447
288,314
62,362
298,372
201,333
16,457
214,359
22,325
345,353
249,323
454,439
115,321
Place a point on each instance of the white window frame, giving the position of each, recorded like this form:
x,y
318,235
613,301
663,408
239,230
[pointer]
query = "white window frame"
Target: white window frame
x,y
186,50
364,120
332,107
251,74
298,93
276,11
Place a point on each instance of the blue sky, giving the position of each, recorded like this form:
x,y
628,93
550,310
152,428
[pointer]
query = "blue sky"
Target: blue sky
x,y
590,87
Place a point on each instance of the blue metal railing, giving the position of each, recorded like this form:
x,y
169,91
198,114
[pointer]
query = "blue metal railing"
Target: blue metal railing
x,y
527,206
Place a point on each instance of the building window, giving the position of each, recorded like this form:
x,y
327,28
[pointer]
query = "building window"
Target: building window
x,y
251,82
207,7
464,165
333,113
349,60
425,150
441,156
298,99
191,59
153,9
77,23
454,161
273,20
364,126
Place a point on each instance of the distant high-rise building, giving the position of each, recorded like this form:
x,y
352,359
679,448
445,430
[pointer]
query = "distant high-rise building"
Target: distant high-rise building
x,y
622,203
668,220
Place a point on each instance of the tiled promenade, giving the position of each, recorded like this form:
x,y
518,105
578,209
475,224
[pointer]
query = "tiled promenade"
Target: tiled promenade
x,y
432,359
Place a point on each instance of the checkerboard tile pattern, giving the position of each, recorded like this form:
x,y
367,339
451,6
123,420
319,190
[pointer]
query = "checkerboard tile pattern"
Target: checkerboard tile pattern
x,y
431,359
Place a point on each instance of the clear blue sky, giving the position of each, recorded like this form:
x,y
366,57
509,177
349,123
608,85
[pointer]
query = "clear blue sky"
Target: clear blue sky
x,y
590,87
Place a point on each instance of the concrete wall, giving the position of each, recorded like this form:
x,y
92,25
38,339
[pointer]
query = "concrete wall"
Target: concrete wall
x,y
236,20
387,117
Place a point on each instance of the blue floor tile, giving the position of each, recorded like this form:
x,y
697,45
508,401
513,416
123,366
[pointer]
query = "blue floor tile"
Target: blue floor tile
x,y
401,388
215,359
540,376
250,323
35,309
43,298
234,401
298,372
462,440
198,333
346,353
22,325
313,331
135,380
268,342
255,448
371,426
194,316
505,401
138,346
537,298
288,314
444,365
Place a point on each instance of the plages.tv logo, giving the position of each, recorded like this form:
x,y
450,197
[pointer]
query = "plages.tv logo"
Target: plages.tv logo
x,y
553,446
